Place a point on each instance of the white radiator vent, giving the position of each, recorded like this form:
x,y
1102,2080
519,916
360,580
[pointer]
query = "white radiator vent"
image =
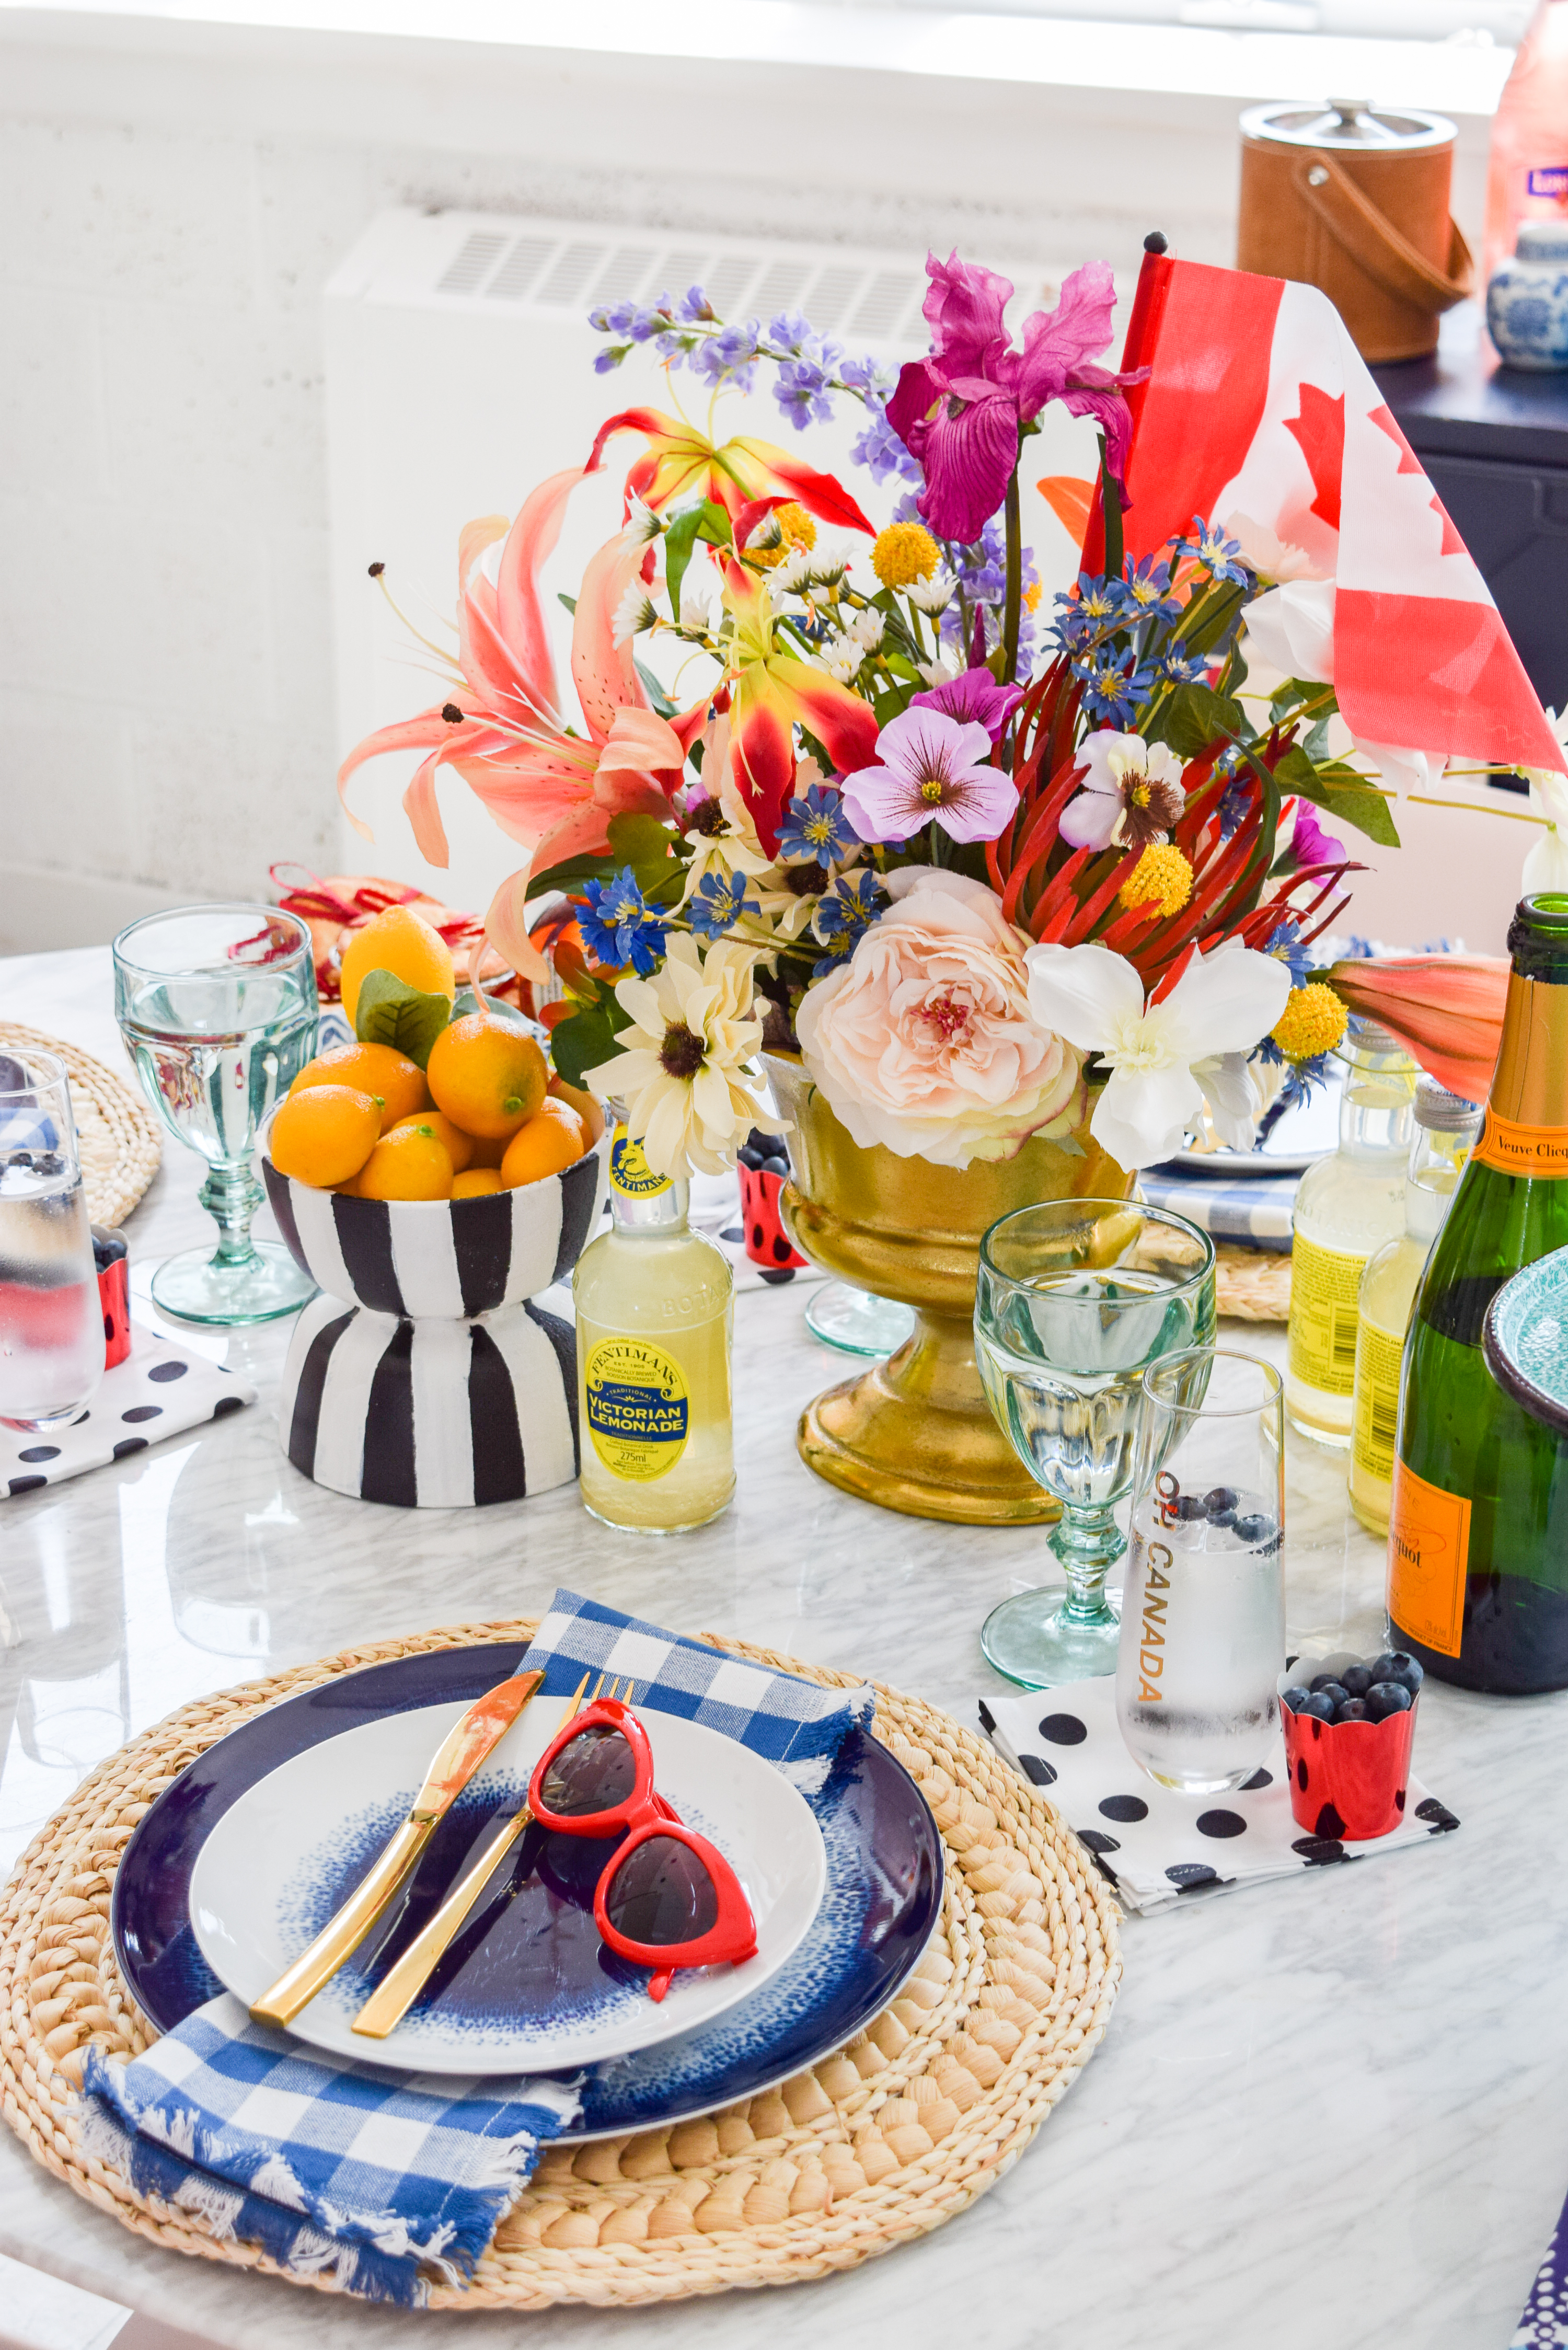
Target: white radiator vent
x,y
574,273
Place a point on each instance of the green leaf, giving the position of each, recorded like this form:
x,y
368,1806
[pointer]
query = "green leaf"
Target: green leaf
x,y
569,601
1298,694
705,521
391,1012
1196,716
587,1038
656,693
1341,793
494,1007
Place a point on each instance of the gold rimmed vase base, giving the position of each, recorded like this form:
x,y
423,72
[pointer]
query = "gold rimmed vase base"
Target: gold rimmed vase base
x,y
916,1434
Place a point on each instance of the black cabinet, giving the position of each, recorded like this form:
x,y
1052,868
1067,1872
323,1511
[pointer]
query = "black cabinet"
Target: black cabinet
x,y
1494,441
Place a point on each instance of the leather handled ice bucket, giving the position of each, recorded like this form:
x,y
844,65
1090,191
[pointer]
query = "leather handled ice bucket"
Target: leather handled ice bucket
x,y
1354,199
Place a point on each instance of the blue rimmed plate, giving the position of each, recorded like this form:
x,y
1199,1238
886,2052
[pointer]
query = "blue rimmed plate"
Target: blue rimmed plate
x,y
884,1869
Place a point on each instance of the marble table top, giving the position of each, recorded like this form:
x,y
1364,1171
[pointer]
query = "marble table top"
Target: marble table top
x,y
1329,2109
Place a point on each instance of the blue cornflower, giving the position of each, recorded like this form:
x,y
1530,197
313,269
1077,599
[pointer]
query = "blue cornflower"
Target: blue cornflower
x,y
1235,801
1112,684
1177,666
1219,556
617,927
718,902
844,916
1285,942
1361,950
802,393
816,829
1146,592
1300,1080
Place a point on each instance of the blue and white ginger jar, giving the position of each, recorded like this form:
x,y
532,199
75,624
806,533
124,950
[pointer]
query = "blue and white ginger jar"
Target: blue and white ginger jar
x,y
1527,300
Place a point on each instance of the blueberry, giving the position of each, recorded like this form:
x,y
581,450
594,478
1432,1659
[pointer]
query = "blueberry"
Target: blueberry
x,y
1318,1704
1394,1665
1327,1681
1296,1698
1188,1506
1330,1690
1220,1503
750,1157
1354,1709
1254,1529
1385,1697
1358,1678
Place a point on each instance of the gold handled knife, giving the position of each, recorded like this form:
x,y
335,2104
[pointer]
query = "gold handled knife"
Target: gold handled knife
x,y
457,1759
402,1983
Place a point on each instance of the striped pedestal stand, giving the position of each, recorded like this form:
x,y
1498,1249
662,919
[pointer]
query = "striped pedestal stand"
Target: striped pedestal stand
x,y
424,1375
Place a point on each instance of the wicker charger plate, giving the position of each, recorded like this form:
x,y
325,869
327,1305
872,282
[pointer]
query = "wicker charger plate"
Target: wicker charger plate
x,y
1254,1284
116,1132
879,2144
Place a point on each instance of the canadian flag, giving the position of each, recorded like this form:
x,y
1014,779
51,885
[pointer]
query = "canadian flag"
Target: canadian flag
x,y
1260,413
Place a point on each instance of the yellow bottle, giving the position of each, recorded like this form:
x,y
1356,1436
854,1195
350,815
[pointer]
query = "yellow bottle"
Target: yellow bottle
x,y
655,1309
1346,1206
1445,1128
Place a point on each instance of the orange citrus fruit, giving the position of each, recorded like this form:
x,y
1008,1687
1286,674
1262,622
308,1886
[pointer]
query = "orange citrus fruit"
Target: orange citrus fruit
x,y
460,1147
475,1182
400,942
325,1134
410,1163
489,1149
397,1083
555,1137
587,1106
487,1076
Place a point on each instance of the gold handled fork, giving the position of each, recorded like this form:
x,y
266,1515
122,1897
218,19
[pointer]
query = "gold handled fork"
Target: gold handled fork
x,y
402,1983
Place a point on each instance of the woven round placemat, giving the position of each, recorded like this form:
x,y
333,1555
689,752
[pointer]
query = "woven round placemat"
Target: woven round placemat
x,y
881,2142
1254,1284
116,1132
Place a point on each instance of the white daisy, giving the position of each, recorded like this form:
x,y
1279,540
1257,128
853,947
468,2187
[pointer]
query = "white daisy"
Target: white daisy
x,y
684,1063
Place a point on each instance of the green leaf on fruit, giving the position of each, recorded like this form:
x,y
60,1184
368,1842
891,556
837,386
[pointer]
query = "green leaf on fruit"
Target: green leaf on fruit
x,y
589,1038
391,1012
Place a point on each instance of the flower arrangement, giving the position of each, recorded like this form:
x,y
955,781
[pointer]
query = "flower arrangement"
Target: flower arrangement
x,y
988,871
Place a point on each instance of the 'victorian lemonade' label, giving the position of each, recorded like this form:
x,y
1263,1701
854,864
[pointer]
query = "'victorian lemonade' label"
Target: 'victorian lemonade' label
x,y
629,1171
638,1408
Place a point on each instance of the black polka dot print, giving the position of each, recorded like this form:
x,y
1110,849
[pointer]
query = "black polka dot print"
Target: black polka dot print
x,y
776,1277
782,1249
1124,1807
756,1236
40,1452
1328,1822
1097,1840
735,1234
162,1373
1320,1852
24,1484
130,1444
1438,1815
1037,1770
1258,1779
227,1404
1063,1729
143,1411
1189,1873
1220,1824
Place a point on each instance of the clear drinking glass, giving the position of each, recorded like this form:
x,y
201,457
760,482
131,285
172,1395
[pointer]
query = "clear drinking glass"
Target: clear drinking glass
x,y
51,1325
855,1321
1203,1613
217,1007
1075,1299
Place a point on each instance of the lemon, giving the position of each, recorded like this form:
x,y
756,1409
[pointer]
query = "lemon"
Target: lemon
x,y
400,942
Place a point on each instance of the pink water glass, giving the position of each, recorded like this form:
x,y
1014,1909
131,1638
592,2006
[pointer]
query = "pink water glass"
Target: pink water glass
x,y
51,1322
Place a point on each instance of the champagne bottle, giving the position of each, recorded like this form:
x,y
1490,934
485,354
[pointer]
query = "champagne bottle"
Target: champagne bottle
x,y
655,1306
1478,1550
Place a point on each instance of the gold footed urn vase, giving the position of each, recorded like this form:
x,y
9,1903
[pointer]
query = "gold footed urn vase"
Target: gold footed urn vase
x,y
916,1433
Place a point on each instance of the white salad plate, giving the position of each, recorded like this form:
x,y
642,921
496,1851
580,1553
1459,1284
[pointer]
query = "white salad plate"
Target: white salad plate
x,y
526,1985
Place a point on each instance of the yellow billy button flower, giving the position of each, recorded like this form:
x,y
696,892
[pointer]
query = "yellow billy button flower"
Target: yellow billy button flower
x,y
904,553
1162,877
1313,1022
787,528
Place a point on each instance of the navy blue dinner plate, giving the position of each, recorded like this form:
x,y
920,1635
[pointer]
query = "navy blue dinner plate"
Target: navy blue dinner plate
x,y
883,1898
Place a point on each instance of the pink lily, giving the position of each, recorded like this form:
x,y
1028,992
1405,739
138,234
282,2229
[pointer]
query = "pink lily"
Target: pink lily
x,y
548,787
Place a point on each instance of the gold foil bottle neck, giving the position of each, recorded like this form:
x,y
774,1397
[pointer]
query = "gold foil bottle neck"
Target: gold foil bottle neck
x,y
1530,1085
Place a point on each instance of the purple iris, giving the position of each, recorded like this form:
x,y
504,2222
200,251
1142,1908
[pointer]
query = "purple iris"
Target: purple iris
x,y
958,411
974,699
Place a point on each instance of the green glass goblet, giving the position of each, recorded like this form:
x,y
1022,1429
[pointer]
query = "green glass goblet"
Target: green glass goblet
x,y
1076,1299
217,1007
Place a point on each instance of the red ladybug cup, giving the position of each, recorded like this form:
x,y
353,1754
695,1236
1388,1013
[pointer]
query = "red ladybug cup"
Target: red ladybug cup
x,y
1349,1780
113,1261
768,1244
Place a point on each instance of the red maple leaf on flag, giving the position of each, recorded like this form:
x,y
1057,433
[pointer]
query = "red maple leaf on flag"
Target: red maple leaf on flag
x,y
1320,429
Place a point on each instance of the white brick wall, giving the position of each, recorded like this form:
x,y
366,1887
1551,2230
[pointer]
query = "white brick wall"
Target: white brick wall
x,y
174,198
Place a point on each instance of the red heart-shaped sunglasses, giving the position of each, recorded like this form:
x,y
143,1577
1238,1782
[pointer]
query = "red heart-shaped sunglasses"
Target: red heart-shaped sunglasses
x,y
668,1897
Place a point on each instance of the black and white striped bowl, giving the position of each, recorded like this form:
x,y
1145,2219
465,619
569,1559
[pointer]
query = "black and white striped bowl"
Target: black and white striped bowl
x,y
424,1376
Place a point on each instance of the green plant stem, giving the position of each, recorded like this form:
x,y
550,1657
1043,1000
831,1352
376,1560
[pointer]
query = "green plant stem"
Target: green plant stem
x,y
1015,604
1111,509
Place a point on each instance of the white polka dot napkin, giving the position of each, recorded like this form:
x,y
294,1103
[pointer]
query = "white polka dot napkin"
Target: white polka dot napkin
x,y
163,1387
1156,1846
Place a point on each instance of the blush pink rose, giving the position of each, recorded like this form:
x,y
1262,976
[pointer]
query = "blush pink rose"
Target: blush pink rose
x,y
924,1040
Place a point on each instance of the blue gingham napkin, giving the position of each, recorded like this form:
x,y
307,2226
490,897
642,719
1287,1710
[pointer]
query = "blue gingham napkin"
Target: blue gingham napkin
x,y
329,2166
795,1724
1252,1209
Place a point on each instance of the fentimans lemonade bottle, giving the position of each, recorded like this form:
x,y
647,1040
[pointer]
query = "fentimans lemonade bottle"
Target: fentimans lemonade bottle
x,y
1346,1206
654,1305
